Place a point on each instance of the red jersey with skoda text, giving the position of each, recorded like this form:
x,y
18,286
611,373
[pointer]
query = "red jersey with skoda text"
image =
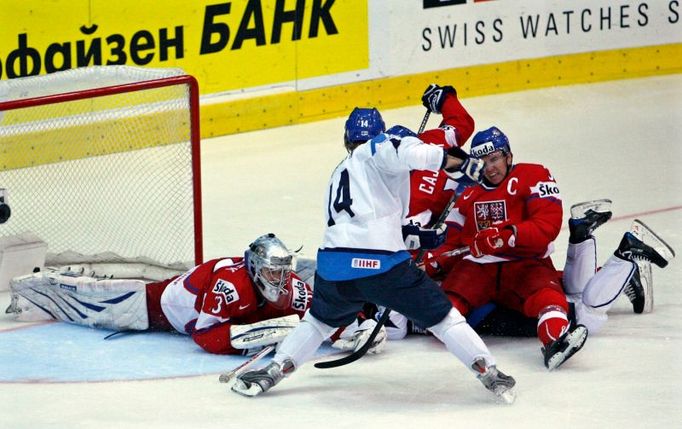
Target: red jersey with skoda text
x,y
528,198
213,296
430,191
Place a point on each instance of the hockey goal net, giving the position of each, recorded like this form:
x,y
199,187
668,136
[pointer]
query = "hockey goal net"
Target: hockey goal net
x,y
102,164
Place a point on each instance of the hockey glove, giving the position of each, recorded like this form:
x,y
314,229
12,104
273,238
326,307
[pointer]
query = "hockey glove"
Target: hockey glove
x,y
433,264
417,237
355,335
492,241
471,168
434,97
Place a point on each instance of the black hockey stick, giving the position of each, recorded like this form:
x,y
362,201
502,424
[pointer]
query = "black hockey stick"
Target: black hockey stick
x,y
357,354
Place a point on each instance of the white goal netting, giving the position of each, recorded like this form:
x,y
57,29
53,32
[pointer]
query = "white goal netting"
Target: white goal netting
x,y
102,164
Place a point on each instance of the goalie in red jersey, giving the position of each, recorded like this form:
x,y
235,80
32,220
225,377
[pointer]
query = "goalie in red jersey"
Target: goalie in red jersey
x,y
227,305
510,222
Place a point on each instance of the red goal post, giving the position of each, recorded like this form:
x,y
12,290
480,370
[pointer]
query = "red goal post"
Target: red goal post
x,y
103,165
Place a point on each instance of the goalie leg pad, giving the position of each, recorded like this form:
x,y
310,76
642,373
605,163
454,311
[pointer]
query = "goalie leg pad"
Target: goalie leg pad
x,y
108,304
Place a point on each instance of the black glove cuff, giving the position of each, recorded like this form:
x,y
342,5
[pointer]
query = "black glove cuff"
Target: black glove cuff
x,y
457,152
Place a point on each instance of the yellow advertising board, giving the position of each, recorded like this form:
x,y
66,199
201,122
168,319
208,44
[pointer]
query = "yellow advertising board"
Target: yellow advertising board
x,y
226,45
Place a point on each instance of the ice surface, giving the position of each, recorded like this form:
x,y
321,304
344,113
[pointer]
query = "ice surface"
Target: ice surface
x,y
617,140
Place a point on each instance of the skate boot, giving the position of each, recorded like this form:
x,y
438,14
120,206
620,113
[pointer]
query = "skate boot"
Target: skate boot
x,y
559,351
635,292
500,384
255,382
632,249
662,254
586,217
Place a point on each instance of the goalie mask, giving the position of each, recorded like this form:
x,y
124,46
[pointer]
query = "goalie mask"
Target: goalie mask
x,y
270,264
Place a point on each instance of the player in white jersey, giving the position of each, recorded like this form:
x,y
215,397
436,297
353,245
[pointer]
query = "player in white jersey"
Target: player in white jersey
x,y
363,257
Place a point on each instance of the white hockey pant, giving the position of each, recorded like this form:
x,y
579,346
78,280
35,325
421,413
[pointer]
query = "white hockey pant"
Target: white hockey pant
x,y
601,292
109,304
461,340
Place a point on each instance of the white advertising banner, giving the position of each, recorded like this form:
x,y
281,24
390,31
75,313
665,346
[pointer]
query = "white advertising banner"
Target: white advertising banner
x,y
414,36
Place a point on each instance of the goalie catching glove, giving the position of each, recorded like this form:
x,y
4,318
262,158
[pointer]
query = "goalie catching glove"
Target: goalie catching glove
x,y
355,335
253,337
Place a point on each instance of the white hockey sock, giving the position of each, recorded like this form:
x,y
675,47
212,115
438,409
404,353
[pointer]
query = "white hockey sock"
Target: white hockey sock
x,y
302,343
461,340
581,264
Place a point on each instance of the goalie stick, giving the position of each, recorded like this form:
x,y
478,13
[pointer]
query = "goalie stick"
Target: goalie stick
x,y
357,354
228,377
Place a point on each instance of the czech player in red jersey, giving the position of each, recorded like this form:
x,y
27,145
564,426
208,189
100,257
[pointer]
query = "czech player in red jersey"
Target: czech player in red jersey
x,y
510,222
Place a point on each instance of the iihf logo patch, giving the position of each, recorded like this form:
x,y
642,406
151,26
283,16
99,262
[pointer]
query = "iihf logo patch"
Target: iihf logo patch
x,y
367,264
489,213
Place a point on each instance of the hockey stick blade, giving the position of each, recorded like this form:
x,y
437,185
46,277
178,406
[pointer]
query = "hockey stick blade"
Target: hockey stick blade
x,y
357,354
228,377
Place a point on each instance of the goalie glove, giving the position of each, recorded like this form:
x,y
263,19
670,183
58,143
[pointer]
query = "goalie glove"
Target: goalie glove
x,y
355,335
416,237
254,336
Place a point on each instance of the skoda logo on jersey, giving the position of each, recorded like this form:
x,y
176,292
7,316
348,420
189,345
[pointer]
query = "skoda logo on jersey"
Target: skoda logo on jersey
x,y
482,150
366,264
546,190
300,301
227,289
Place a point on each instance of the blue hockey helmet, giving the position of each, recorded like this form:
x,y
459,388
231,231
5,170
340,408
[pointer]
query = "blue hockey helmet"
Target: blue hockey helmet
x,y
362,124
489,141
400,131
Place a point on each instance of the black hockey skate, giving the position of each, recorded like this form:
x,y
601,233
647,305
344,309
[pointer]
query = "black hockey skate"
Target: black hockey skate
x,y
586,217
255,382
500,384
632,248
559,351
635,292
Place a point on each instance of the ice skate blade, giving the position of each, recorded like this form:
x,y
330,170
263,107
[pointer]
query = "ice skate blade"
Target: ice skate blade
x,y
600,206
505,396
238,386
642,231
574,342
